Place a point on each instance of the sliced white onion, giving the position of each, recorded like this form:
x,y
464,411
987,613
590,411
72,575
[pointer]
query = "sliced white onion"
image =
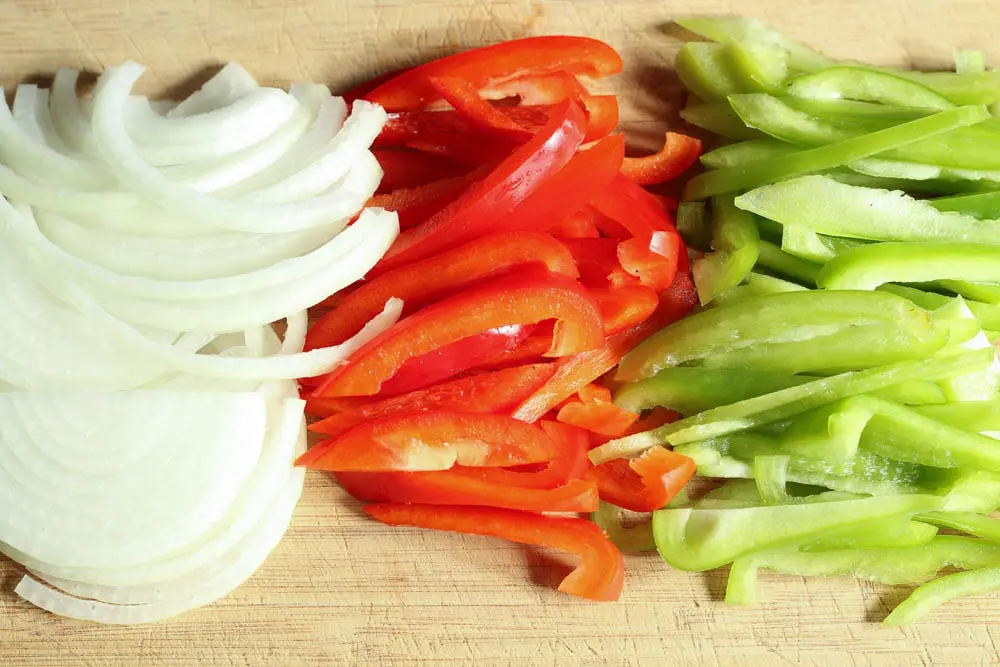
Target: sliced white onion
x,y
31,113
112,479
70,121
296,327
229,84
146,181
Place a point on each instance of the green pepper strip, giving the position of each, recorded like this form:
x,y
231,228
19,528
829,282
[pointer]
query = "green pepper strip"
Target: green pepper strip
x,y
757,284
787,318
736,243
630,540
707,71
776,260
979,205
746,151
971,290
800,57
829,207
890,565
970,415
884,533
789,402
867,267
700,539
857,83
928,597
771,474
718,118
693,225
987,314
971,523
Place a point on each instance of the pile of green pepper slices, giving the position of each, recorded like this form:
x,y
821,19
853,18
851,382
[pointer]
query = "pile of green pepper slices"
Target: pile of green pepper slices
x,y
841,375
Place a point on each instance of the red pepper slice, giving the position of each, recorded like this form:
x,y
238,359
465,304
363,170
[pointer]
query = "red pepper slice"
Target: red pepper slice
x,y
646,483
406,168
624,307
596,260
577,371
486,66
599,576
592,393
570,463
446,487
415,205
652,259
492,392
455,358
679,152
427,281
432,441
538,89
603,418
478,209
569,189
464,97
448,134
579,225
531,351
510,300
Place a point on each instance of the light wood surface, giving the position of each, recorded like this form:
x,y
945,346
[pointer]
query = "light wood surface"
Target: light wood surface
x,y
341,589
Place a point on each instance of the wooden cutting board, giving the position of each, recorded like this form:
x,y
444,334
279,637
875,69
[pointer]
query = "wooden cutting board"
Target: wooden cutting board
x,y
341,589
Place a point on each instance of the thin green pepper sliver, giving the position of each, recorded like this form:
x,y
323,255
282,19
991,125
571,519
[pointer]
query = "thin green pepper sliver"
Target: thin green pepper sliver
x,y
893,532
800,57
784,318
971,415
789,402
935,593
983,205
771,474
757,284
868,85
987,314
867,267
829,207
630,540
888,565
774,259
833,155
736,244
967,522
719,118
706,69
700,539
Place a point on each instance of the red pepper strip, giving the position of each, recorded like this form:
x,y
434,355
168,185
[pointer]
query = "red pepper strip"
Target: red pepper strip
x,y
444,133
579,370
507,301
624,307
427,281
656,418
599,576
531,351
594,393
646,483
538,89
596,259
569,189
445,487
571,462
598,417
405,168
464,97
579,225
479,208
432,441
455,358
496,392
414,205
602,116
652,259
679,152
483,67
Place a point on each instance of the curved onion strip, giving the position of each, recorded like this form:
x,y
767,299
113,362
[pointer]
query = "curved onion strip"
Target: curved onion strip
x,y
229,84
180,258
71,122
342,260
36,349
146,181
329,121
42,163
242,561
130,477
31,113
178,139
295,333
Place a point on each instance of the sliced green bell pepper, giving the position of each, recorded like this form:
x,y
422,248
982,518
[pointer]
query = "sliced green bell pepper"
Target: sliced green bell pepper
x,y
987,314
970,523
700,539
757,284
869,266
803,242
770,472
718,118
635,539
706,69
973,491
832,155
971,415
736,244
760,65
931,595
746,151
800,57
985,292
868,85
693,224
979,205
892,532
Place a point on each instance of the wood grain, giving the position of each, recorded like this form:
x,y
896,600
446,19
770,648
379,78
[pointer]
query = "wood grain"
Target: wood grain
x,y
341,589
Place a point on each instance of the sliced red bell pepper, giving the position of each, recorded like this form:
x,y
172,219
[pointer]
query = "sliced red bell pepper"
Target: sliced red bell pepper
x,y
486,66
569,189
415,205
596,260
531,351
538,89
446,487
359,91
571,462
493,392
593,392
406,168
595,412
599,576
577,371
624,307
432,441
579,225
602,116
652,259
445,133
646,483
434,278
478,209
679,152
455,358
464,97
510,300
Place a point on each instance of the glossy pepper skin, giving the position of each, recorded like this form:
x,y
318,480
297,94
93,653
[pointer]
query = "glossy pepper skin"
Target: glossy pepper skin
x,y
513,300
599,575
645,483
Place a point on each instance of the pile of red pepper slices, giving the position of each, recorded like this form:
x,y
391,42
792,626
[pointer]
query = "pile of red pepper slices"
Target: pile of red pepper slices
x,y
530,261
